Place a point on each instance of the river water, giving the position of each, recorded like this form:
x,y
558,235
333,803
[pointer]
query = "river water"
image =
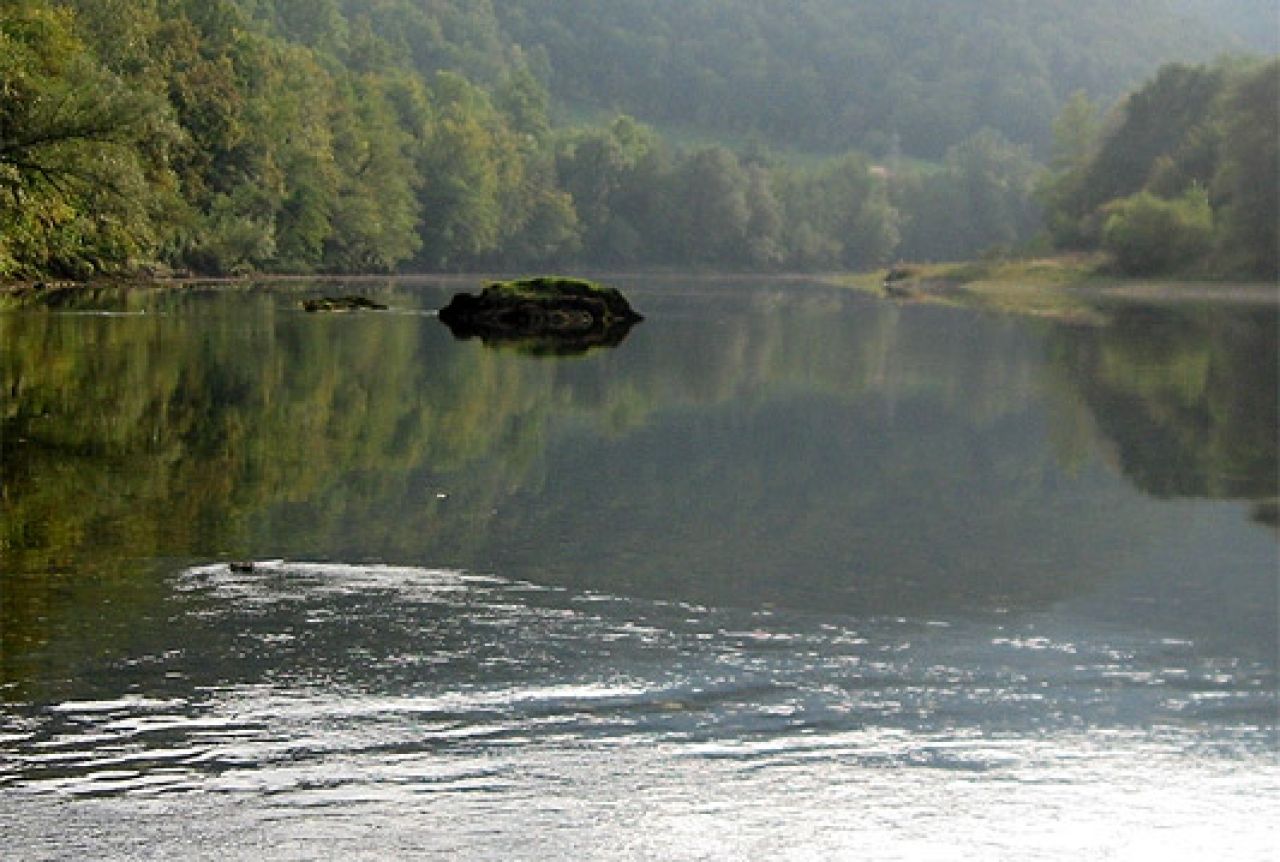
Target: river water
x,y
790,573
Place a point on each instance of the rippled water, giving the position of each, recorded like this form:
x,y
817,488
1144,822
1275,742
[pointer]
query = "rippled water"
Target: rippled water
x,y
387,710
786,603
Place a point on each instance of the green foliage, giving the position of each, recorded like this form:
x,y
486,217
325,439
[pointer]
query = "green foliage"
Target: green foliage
x,y
981,201
838,215
1075,132
709,207
1150,236
615,177
1248,174
233,136
1159,124
713,208
1189,130
464,151
74,192
224,136
375,214
826,75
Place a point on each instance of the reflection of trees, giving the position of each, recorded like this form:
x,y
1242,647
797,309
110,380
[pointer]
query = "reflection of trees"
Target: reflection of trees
x,y
134,437
893,463
801,448
816,455
806,502
1189,399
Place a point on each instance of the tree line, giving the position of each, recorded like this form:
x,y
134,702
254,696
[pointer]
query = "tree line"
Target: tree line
x,y
235,136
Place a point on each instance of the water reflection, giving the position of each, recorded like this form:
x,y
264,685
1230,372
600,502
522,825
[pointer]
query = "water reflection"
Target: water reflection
x,y
542,340
787,572
755,446
1189,398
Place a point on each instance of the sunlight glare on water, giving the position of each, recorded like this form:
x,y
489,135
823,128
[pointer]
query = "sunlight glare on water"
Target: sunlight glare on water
x,y
691,733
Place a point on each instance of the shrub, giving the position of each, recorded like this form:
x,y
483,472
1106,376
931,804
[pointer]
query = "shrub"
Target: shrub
x,y
1149,235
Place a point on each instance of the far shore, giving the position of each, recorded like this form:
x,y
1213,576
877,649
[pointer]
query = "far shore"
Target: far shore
x,y
1064,286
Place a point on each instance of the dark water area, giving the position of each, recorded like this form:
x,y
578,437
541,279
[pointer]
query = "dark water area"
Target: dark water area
x,y
789,571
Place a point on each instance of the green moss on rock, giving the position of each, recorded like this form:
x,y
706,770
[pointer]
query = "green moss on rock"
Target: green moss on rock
x,y
545,308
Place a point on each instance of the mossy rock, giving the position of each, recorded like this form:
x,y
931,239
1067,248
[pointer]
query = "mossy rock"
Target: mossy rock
x,y
342,303
578,313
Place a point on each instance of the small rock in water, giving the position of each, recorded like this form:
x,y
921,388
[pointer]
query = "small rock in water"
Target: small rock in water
x,y
241,566
342,303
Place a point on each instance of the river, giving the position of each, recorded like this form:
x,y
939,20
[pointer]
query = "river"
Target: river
x,y
789,573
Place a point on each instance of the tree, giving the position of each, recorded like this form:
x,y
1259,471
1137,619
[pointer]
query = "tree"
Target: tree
x,y
764,244
818,74
1248,174
1075,132
1076,135
1154,121
460,162
838,214
375,216
614,176
523,100
710,196
1189,131
995,181
73,193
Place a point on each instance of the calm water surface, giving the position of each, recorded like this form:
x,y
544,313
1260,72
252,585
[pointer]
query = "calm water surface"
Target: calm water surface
x,y
790,573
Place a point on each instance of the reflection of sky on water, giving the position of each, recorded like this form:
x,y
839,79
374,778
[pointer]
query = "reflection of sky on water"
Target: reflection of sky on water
x,y
462,714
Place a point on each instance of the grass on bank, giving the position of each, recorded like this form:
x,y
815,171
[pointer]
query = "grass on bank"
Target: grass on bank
x,y
1041,287
1068,287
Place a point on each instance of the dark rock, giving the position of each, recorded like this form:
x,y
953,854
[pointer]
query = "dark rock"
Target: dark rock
x,y
544,316
241,566
342,303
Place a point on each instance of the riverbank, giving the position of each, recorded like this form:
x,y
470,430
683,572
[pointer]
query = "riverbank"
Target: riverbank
x,y
1065,287
1062,287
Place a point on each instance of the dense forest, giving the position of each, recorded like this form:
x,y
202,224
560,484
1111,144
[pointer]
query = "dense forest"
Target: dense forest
x,y
235,136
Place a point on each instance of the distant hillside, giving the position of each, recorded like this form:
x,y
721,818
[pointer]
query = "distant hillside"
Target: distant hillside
x,y
832,74
815,75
